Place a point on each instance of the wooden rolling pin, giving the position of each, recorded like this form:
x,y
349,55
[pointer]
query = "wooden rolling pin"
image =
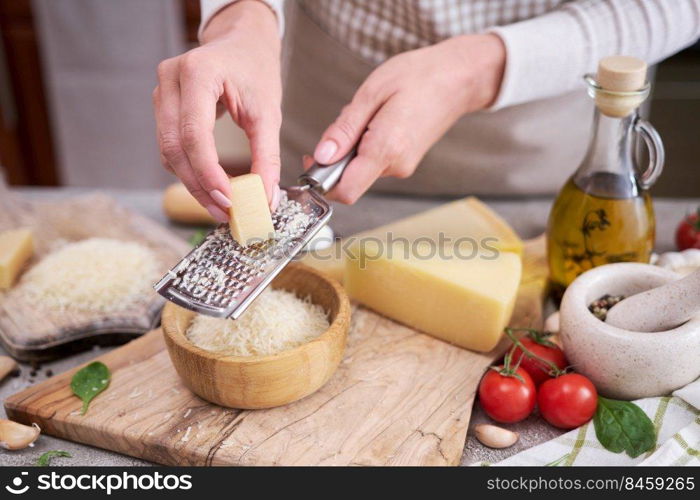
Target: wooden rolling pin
x,y
658,309
180,206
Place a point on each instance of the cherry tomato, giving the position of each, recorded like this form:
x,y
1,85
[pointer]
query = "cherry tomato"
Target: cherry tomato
x,y
688,232
567,401
507,398
543,348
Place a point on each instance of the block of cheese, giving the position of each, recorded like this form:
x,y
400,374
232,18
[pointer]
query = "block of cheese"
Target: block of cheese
x,y
467,218
179,205
464,301
327,260
251,221
16,248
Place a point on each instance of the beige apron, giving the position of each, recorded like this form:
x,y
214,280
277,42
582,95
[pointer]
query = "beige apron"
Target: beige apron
x,y
522,150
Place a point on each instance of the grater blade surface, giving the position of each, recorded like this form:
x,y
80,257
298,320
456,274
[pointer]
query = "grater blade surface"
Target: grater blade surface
x,y
221,278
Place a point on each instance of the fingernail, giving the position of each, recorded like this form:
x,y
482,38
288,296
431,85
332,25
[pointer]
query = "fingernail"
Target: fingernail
x,y
217,213
307,161
220,198
276,195
325,151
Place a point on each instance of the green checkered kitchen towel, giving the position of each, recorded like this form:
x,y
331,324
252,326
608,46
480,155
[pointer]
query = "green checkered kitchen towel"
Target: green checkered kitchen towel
x,y
677,422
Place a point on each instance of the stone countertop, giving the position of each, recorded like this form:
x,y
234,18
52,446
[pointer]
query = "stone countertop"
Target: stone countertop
x,y
528,217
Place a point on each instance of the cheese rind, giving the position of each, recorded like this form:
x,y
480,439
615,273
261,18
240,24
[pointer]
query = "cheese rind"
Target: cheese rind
x,y
466,302
460,219
250,218
16,248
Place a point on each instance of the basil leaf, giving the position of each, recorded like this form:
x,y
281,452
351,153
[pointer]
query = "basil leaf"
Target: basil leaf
x,y
623,426
45,459
89,381
198,237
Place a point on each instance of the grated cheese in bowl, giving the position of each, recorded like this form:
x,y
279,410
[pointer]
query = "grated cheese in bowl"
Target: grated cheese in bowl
x,y
99,275
276,321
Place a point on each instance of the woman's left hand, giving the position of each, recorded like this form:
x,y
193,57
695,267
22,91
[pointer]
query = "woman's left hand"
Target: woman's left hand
x,y
406,105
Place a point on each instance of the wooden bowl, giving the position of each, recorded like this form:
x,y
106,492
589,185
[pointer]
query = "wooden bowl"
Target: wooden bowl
x,y
253,382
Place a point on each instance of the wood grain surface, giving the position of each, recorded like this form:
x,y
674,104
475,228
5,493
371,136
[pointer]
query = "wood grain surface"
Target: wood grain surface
x,y
29,332
399,397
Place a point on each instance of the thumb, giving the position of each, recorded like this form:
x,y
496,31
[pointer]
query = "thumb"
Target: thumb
x,y
345,131
306,162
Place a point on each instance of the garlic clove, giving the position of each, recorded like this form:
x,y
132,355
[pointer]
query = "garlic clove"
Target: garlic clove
x,y
494,436
684,262
16,436
551,324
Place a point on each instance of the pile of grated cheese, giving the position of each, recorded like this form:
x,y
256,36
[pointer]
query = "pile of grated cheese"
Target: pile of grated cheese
x,y
98,275
276,321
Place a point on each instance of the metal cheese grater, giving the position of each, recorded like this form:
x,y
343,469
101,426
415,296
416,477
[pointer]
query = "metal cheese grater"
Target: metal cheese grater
x,y
222,278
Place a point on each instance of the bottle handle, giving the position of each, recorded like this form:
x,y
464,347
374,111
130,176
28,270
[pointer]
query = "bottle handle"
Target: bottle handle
x,y
656,152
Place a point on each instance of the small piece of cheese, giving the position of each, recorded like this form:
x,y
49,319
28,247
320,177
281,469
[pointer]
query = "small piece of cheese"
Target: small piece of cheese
x,y
251,220
16,248
466,302
460,219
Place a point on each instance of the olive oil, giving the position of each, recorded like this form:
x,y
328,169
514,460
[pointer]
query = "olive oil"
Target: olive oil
x,y
604,213
587,230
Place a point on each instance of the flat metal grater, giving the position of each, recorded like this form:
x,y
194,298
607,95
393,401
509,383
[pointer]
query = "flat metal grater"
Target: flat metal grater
x,y
222,278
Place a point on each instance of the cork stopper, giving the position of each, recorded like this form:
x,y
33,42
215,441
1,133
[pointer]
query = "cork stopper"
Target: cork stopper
x,y
622,82
622,73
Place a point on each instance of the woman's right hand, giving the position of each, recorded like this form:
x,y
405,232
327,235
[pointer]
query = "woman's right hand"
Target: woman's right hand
x,y
237,66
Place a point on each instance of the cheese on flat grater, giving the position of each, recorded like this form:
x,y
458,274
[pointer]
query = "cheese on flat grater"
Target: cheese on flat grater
x,y
16,248
251,221
460,219
466,302
98,275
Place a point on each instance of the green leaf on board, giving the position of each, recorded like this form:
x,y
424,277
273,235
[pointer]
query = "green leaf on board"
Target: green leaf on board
x,y
89,381
198,237
45,459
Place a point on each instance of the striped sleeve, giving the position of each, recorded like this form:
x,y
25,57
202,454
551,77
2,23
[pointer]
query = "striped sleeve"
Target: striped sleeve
x,y
547,55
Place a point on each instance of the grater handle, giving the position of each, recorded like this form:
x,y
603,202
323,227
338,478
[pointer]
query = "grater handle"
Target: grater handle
x,y
323,178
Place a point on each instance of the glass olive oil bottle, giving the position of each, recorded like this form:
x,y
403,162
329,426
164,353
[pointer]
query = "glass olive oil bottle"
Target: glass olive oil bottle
x,y
604,213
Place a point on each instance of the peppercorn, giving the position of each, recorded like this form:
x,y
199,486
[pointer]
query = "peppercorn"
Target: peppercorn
x,y
600,307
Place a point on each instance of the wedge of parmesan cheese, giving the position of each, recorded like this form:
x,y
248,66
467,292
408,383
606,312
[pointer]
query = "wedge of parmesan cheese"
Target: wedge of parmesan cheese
x,y
464,301
468,220
251,221
16,248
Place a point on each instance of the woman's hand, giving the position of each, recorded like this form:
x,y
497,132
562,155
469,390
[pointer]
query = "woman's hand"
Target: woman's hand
x,y
406,105
237,66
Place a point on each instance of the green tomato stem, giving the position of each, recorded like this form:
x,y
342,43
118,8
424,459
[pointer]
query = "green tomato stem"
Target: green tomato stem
x,y
554,369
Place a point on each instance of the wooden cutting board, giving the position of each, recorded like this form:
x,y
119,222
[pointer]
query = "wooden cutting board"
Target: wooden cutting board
x,y
399,397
